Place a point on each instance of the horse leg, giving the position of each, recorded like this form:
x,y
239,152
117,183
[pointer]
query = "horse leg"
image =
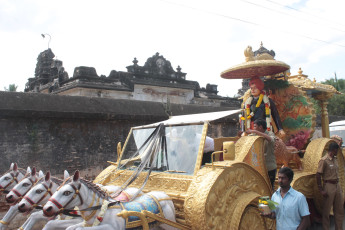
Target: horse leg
x,y
33,219
169,213
11,213
62,224
99,227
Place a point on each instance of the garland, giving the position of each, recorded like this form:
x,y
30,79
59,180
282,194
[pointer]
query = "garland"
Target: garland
x,y
100,216
263,97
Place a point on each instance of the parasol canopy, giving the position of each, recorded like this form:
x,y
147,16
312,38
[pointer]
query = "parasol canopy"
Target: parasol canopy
x,y
258,64
257,68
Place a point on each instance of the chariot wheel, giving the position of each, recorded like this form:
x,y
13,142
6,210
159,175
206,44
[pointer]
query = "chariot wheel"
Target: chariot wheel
x,y
226,198
251,219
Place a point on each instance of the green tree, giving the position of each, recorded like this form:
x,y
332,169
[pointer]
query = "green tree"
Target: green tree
x,y
11,88
336,104
339,84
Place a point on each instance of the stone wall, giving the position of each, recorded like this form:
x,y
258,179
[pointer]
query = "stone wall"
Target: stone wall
x,y
54,132
57,144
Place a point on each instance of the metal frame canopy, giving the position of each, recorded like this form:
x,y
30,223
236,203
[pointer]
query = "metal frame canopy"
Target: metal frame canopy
x,y
198,118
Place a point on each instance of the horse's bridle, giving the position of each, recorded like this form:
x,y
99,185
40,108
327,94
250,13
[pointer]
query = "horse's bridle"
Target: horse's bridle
x,y
14,179
20,196
44,196
76,193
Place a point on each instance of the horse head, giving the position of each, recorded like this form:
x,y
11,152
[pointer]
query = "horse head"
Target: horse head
x,y
11,178
67,196
23,186
40,193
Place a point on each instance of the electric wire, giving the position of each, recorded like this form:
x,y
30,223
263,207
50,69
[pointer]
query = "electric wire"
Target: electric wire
x,y
253,23
303,12
284,13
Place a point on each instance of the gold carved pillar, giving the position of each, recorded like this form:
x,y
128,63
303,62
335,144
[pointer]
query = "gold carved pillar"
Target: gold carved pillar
x,y
323,98
324,118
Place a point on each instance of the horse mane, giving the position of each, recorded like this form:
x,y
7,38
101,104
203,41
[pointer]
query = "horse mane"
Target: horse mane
x,y
69,179
56,180
53,179
22,171
95,188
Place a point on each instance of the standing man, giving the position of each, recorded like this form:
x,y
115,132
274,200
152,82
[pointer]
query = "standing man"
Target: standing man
x,y
292,212
331,190
260,127
337,139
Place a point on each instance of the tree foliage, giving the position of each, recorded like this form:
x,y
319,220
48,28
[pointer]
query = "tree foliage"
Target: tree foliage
x,y
339,84
336,104
11,88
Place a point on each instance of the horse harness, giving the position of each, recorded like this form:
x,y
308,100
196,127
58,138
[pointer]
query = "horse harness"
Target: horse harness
x,y
76,193
14,179
44,196
20,196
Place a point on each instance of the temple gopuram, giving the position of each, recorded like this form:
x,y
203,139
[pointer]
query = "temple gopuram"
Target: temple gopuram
x,y
156,81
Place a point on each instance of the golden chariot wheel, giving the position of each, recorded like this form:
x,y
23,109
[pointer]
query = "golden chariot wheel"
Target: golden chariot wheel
x,y
226,198
252,219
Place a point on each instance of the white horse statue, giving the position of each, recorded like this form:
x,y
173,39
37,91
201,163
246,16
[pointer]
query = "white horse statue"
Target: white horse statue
x,y
39,195
10,178
16,194
126,194
19,190
7,182
84,194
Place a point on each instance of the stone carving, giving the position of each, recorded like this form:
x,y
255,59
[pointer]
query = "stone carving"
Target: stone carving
x,y
158,66
84,71
43,66
51,77
264,54
48,71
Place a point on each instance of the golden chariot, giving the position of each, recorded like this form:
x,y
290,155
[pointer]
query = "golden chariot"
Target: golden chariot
x,y
224,194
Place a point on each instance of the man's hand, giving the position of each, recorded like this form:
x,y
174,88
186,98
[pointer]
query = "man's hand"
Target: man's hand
x,y
249,131
272,215
324,193
281,134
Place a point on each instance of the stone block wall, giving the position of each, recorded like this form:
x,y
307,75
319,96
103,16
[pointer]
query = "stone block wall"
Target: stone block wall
x,y
57,144
54,132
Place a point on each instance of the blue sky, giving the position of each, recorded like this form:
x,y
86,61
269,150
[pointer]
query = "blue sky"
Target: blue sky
x,y
203,37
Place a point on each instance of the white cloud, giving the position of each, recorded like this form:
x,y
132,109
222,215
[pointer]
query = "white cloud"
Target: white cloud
x,y
203,37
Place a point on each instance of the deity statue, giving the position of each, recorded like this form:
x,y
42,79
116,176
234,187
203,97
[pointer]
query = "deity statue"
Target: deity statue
x,y
259,105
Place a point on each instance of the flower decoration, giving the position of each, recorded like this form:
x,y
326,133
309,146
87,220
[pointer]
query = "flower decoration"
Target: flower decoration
x,y
266,201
